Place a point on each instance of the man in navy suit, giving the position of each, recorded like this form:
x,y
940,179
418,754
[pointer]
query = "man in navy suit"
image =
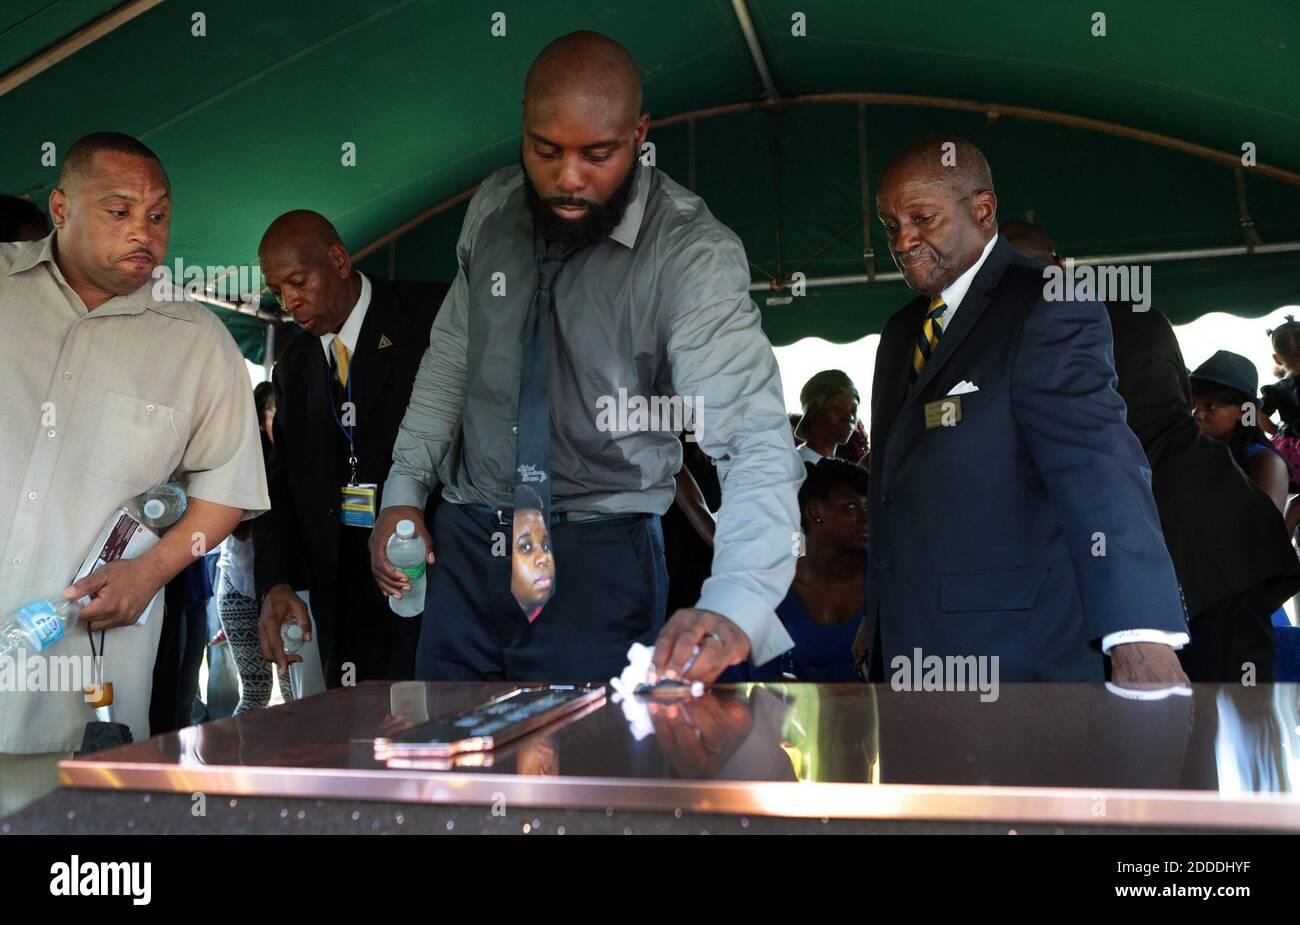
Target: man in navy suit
x,y
1010,509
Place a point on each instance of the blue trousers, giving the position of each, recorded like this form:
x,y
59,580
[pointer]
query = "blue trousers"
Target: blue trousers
x,y
611,590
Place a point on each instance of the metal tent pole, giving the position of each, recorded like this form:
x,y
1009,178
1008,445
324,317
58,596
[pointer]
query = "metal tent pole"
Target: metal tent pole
x,y
70,45
1104,259
755,50
268,358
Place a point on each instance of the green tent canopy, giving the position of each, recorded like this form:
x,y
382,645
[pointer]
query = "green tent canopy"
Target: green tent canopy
x,y
1126,145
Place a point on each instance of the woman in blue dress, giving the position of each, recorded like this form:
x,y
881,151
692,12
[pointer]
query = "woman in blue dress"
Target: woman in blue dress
x,y
823,607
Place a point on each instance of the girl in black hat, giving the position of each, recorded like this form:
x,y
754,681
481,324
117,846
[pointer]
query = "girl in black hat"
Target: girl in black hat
x,y
1226,408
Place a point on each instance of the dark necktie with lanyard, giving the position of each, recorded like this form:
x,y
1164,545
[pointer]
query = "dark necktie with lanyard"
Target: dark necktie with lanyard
x,y
532,580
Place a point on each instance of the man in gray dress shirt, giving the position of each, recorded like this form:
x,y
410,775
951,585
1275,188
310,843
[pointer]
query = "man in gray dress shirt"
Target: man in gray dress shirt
x,y
652,324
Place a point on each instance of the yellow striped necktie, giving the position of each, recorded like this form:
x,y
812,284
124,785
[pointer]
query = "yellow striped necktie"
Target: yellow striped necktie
x,y
341,358
927,339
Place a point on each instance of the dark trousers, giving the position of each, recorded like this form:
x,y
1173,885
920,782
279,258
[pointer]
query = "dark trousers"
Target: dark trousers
x,y
378,644
1231,633
611,585
176,667
181,644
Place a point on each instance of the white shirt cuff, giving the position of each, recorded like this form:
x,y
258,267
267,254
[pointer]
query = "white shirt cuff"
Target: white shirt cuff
x,y
1173,640
1150,692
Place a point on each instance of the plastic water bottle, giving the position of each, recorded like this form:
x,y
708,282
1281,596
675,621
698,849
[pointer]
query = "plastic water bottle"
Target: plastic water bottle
x,y
162,505
291,636
40,625
407,552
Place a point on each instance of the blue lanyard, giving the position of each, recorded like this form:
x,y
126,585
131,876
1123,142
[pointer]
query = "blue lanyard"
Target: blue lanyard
x,y
346,431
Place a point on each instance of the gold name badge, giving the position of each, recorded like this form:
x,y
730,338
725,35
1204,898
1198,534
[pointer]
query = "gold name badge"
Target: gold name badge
x,y
945,412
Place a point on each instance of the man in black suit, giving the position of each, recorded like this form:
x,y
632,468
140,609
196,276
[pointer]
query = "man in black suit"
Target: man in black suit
x,y
1229,545
341,388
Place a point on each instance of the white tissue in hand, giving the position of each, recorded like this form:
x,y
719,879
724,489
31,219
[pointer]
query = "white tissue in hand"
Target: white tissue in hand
x,y
635,710
640,657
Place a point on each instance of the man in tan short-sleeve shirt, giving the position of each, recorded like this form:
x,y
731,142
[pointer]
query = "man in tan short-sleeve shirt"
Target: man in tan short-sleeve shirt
x,y
107,391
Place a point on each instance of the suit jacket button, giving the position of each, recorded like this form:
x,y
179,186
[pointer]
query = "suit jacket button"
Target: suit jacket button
x,y
888,497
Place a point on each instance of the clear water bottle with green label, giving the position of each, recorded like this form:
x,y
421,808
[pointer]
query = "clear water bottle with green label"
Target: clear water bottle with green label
x,y
40,625
407,552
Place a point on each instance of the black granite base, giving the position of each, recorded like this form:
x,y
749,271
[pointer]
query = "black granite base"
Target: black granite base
x,y
92,812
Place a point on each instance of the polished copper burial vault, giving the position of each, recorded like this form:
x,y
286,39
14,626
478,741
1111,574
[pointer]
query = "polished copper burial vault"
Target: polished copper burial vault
x,y
1202,756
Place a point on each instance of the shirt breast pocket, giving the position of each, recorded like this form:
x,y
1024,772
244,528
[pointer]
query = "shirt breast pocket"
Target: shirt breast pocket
x,y
138,441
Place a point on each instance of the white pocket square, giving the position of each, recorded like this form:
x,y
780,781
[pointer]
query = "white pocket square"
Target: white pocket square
x,y
963,387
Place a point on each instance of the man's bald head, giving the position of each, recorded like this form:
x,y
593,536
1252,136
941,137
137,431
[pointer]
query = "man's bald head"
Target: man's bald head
x,y
1031,239
308,269
953,161
585,64
582,134
936,201
302,231
80,157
